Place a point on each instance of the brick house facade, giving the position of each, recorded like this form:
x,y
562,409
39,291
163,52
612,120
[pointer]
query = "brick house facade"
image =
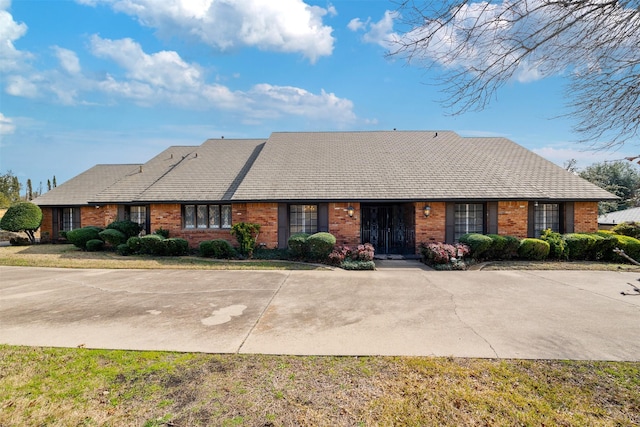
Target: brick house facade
x,y
395,190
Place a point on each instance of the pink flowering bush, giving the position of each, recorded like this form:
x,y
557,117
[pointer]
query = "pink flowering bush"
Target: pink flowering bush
x,y
342,255
443,253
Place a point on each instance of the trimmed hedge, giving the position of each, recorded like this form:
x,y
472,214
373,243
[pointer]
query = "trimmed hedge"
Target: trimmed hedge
x,y
478,244
533,249
320,245
298,245
123,249
151,244
502,247
80,236
557,245
631,229
218,248
95,245
113,237
128,228
175,246
630,246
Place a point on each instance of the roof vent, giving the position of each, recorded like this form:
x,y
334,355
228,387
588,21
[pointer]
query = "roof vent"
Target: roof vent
x,y
140,168
435,135
222,137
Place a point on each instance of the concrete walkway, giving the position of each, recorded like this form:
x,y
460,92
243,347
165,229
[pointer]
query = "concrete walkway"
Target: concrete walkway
x,y
400,309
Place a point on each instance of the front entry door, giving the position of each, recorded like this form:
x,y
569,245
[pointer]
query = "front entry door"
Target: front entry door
x,y
388,228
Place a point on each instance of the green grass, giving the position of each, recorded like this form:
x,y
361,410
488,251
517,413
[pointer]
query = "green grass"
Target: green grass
x,y
61,387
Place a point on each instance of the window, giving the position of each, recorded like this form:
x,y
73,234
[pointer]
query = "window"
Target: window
x,y
207,216
69,219
303,219
546,215
469,218
138,214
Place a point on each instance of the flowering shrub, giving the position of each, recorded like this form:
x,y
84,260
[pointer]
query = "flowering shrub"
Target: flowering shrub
x,y
443,253
345,254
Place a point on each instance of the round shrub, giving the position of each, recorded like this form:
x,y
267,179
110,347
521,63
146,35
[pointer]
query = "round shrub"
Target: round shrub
x,y
22,216
152,244
629,245
219,249
128,228
175,246
123,249
113,237
80,236
320,245
298,245
95,245
478,243
134,244
533,249
631,229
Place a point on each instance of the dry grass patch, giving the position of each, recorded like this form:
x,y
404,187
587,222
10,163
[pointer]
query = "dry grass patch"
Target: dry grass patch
x,y
557,265
60,387
68,256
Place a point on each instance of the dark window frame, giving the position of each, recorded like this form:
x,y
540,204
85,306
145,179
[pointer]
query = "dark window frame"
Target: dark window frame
x,y
204,216
473,227
297,223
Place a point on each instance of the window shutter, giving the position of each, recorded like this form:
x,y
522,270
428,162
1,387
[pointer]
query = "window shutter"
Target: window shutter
x,y
323,217
569,218
450,221
283,225
531,220
492,218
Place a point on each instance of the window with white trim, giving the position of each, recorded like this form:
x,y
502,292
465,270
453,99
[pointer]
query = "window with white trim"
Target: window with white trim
x,y
546,215
303,219
69,219
207,216
469,218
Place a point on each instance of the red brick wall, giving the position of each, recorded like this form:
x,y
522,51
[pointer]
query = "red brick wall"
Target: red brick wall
x,y
344,228
431,229
513,217
99,217
585,217
47,221
265,214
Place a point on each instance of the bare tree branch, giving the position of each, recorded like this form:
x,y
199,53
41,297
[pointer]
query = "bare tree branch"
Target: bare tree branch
x,y
483,45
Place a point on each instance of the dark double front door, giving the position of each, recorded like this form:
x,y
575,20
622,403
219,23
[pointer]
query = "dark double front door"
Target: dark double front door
x,y
388,227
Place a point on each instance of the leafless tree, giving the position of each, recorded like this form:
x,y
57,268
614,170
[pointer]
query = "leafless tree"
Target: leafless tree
x,y
483,45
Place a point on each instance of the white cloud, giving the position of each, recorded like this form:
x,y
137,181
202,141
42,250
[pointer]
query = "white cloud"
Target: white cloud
x,y
290,26
22,86
380,32
68,59
11,59
6,125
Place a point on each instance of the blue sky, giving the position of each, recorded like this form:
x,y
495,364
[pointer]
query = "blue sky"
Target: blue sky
x,y
90,82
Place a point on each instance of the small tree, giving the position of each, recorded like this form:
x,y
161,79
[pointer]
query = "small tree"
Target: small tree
x,y
22,217
247,234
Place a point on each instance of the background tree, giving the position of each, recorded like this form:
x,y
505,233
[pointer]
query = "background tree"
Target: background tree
x,y
55,184
22,217
483,45
29,195
48,185
620,178
9,189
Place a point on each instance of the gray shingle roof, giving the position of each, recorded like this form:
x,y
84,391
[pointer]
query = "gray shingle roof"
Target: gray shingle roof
x,y
82,188
405,165
358,166
627,215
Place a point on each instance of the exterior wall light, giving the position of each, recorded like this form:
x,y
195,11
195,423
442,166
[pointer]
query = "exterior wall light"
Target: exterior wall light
x,y
350,211
427,211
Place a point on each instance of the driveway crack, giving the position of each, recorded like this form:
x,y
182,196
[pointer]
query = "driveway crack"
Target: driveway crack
x,y
264,310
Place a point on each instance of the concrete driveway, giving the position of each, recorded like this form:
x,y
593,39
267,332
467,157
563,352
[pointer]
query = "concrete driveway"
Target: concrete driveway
x,y
391,311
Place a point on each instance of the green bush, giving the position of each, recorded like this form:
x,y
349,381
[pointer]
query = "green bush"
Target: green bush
x,y
580,246
162,232
134,244
631,229
22,217
219,249
80,236
502,247
357,265
320,245
95,245
630,246
533,249
557,245
478,243
175,246
126,227
298,245
113,237
247,234
123,249
152,244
